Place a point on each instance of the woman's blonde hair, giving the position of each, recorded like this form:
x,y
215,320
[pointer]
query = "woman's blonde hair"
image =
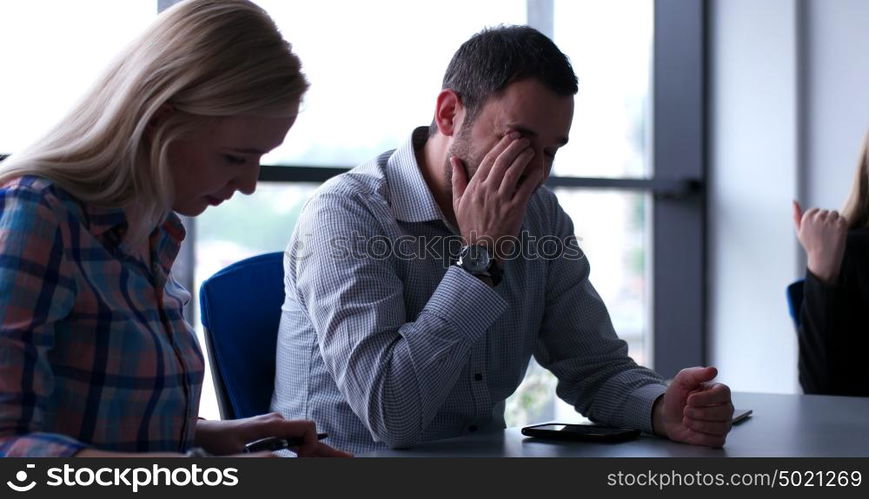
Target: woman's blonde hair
x,y
856,209
202,58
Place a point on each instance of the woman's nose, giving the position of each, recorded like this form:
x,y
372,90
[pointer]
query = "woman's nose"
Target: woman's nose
x,y
246,182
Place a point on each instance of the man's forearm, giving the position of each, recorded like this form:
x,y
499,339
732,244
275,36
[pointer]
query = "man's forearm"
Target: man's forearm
x,y
397,379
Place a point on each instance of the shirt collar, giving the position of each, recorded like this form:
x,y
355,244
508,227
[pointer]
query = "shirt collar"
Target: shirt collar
x,y
101,220
110,225
171,235
409,194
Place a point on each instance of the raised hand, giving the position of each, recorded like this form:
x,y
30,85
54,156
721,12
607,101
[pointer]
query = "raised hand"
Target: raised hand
x,y
822,233
492,204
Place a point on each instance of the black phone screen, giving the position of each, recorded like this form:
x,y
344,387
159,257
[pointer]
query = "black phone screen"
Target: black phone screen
x,y
590,433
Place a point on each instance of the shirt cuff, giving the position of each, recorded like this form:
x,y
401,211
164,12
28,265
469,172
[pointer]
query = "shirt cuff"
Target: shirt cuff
x,y
466,302
821,296
638,408
41,445
813,280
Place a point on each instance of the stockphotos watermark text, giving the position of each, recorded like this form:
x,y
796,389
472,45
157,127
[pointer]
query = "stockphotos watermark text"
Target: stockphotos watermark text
x,y
358,246
133,478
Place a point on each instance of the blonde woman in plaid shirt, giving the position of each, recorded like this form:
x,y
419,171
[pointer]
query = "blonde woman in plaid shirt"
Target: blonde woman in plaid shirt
x,y
96,358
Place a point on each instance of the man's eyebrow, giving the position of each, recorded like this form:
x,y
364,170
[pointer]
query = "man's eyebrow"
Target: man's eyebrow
x,y
527,132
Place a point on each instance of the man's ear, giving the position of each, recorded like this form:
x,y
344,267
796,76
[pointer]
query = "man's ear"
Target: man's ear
x,y
163,113
449,112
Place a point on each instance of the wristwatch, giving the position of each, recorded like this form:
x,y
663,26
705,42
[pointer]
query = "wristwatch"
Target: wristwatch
x,y
479,261
197,452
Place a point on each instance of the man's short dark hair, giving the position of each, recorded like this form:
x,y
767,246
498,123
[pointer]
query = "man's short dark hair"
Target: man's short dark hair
x,y
496,57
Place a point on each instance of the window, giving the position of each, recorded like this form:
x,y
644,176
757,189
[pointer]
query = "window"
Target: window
x,y
375,69
610,46
51,52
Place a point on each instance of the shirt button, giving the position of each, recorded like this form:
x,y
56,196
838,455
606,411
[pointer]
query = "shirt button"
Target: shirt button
x,y
472,428
478,377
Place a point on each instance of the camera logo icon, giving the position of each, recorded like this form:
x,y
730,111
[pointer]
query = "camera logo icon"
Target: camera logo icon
x,y
21,477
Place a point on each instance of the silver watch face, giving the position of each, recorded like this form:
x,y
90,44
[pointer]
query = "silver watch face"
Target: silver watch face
x,y
475,259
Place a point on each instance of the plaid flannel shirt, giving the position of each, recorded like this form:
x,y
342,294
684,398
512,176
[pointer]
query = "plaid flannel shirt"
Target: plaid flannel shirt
x,y
94,348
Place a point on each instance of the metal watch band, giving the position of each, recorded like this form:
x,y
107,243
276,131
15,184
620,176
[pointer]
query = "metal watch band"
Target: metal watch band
x,y
197,452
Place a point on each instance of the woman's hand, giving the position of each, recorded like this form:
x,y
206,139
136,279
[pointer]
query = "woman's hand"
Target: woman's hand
x,y
229,437
822,234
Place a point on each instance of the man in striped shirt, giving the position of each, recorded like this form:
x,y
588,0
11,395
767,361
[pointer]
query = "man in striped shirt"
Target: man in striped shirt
x,y
386,340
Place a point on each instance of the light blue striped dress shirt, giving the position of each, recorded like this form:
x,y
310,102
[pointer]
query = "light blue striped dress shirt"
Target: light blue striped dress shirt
x,y
384,343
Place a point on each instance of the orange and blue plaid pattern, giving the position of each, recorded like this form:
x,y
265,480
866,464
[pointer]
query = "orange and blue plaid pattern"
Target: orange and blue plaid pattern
x,y
94,348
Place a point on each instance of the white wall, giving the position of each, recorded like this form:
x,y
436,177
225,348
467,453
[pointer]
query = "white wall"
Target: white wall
x,y
789,105
837,111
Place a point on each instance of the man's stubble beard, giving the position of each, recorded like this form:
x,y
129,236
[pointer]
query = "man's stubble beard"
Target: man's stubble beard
x,y
461,149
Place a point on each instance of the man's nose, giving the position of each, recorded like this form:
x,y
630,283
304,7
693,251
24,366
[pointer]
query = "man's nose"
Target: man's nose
x,y
540,162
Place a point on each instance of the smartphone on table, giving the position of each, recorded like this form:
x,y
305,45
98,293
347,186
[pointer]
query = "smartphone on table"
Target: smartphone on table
x,y
277,443
580,432
598,433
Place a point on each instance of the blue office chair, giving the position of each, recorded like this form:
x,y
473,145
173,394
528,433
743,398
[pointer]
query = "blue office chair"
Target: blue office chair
x,y
795,300
241,310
